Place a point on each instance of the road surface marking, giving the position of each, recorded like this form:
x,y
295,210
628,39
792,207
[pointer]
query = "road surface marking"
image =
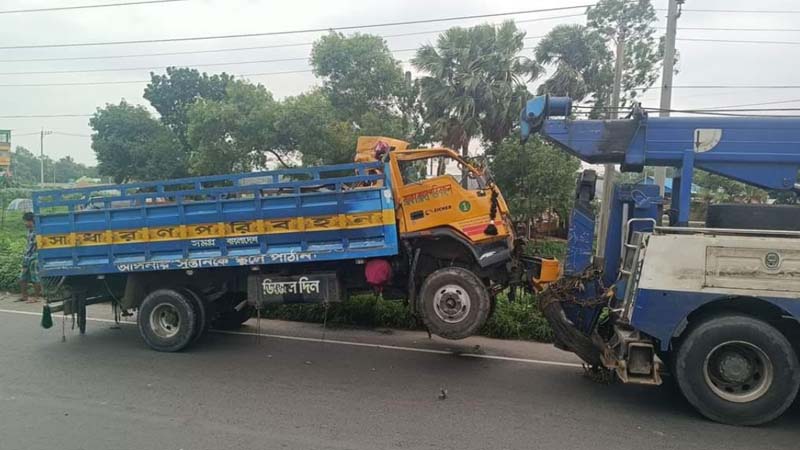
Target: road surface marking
x,y
540,362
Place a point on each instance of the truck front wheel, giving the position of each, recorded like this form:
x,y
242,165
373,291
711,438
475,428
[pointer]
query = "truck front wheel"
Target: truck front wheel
x,y
737,370
453,303
167,320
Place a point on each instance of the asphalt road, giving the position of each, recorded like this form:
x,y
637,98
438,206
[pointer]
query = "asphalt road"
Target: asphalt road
x,y
106,390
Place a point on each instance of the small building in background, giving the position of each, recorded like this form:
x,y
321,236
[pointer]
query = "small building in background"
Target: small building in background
x,y
5,153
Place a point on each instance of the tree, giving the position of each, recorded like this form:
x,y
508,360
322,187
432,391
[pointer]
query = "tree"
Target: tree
x,y
474,83
535,177
236,133
583,59
359,74
719,189
633,22
66,170
25,166
173,93
308,124
131,145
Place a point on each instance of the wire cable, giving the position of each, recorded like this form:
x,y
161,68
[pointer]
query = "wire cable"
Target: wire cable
x,y
737,41
736,11
103,5
226,63
258,47
289,32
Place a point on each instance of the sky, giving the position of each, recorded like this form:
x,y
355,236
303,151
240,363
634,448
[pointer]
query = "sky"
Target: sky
x,y
701,62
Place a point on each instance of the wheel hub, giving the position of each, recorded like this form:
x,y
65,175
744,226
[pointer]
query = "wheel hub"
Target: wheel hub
x,y
165,320
738,371
451,303
735,368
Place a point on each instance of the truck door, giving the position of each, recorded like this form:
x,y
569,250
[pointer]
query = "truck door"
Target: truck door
x,y
432,195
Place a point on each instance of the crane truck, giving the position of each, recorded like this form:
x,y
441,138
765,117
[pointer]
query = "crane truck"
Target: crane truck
x,y
717,307
205,251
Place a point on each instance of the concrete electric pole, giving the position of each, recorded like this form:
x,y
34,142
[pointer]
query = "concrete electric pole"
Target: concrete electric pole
x,y
41,152
673,12
609,172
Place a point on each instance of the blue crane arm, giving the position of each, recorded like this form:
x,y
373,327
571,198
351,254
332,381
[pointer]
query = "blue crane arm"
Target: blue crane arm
x,y
760,151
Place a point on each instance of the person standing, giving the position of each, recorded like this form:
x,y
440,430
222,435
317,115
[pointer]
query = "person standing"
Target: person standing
x,y
30,269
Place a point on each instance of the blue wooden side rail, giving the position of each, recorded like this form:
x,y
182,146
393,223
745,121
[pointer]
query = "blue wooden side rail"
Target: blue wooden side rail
x,y
322,213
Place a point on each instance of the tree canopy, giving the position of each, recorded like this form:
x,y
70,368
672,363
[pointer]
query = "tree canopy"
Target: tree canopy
x,y
359,74
131,145
535,177
173,93
474,83
235,133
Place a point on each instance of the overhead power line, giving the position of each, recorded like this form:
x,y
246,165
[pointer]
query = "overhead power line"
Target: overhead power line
x,y
746,11
778,102
737,41
258,47
723,86
289,32
734,29
42,116
102,5
226,63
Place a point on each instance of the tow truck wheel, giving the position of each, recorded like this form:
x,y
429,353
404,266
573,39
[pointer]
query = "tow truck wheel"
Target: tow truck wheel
x,y
453,303
737,370
167,320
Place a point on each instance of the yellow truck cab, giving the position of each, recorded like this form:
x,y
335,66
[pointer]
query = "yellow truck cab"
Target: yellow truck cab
x,y
457,236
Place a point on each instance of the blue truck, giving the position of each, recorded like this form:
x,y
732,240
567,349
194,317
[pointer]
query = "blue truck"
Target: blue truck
x,y
198,252
716,306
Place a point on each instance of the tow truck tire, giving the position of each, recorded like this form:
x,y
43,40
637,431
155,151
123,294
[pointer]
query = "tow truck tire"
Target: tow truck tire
x,y
167,320
201,316
453,303
737,370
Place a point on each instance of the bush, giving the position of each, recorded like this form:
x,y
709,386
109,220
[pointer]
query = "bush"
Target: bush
x,y
10,262
8,194
12,244
520,319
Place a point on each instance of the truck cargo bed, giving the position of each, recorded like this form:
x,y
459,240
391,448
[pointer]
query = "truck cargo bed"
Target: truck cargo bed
x,y
285,216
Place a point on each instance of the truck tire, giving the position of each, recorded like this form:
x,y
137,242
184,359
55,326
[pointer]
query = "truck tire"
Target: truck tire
x,y
737,370
201,316
453,303
167,320
754,217
228,317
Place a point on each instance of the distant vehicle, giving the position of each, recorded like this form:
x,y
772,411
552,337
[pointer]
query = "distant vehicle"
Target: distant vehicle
x,y
20,204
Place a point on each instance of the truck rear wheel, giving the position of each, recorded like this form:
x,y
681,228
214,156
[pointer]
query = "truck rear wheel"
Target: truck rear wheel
x,y
200,311
167,320
737,370
454,303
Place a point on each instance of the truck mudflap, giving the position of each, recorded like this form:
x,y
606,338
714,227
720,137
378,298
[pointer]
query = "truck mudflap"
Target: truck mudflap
x,y
577,307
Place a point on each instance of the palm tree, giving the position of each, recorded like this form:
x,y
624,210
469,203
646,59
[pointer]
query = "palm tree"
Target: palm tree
x,y
582,64
474,83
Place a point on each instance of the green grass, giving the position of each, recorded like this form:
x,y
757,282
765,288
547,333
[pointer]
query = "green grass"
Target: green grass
x,y
520,319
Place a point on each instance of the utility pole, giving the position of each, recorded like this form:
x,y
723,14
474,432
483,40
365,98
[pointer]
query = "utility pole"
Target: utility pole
x,y
609,173
673,12
41,152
